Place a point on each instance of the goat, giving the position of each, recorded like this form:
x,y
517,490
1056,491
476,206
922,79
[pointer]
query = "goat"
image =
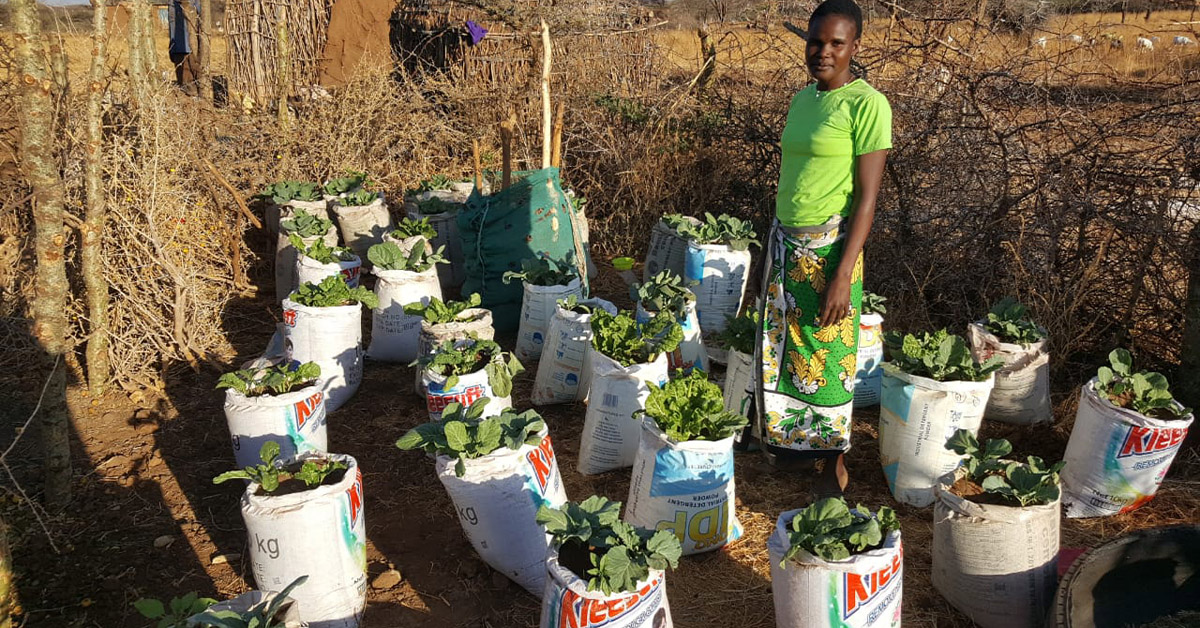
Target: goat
x,y
1144,43
1184,40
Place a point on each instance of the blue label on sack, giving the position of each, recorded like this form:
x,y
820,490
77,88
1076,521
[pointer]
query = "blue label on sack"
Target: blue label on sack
x,y
896,397
693,265
679,472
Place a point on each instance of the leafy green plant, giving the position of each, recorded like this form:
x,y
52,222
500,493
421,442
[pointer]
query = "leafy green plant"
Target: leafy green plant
x,y
613,556
691,408
438,313
621,338
358,198
454,358
664,292
305,225
573,304
724,229
176,613
278,379
543,271
677,222
1029,484
284,191
332,292
409,227
265,614
1145,392
436,182
1009,321
342,185
321,252
270,474
873,303
388,256
434,205
740,332
829,530
464,435
941,356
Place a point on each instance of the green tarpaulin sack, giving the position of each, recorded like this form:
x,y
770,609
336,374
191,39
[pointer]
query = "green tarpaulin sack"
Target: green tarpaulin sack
x,y
531,218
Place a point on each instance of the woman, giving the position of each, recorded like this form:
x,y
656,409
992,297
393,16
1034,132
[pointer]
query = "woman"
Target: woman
x,y
834,147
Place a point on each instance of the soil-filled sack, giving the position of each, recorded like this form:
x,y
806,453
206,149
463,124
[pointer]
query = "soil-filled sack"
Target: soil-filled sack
x,y
446,225
286,257
406,245
997,564
309,270
295,420
863,590
276,213
738,376
568,603
869,378
497,500
563,366
685,487
477,321
289,617
363,226
467,390
537,308
394,334
331,337
722,274
610,433
1022,392
690,353
319,532
917,415
667,250
1116,458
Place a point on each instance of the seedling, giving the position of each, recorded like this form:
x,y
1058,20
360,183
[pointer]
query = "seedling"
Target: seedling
x,y
436,182
265,614
452,359
691,408
829,530
665,292
438,313
940,356
1029,484
321,252
358,198
177,613
409,228
613,556
342,185
1145,392
332,292
464,435
874,303
270,474
724,229
543,271
285,191
740,333
573,304
621,338
277,380
1009,321
305,225
388,256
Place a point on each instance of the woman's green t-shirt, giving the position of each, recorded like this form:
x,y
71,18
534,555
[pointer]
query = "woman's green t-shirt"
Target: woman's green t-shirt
x,y
824,134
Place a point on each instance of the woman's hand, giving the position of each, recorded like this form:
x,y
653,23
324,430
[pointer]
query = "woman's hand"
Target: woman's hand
x,y
835,301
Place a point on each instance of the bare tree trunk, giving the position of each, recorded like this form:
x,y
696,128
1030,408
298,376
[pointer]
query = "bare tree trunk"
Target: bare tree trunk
x,y
137,65
149,28
8,593
283,61
35,117
1187,382
204,43
92,232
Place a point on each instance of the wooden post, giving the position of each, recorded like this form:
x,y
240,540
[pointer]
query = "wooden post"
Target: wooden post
x,y
478,165
35,118
506,135
92,232
205,45
137,65
545,95
556,155
283,66
1187,382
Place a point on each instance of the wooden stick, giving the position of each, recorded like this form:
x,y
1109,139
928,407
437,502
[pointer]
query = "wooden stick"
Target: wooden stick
x,y
478,167
556,155
545,95
236,197
506,134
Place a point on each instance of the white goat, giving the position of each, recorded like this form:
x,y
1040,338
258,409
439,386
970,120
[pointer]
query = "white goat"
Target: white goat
x,y
1144,43
1184,40
1040,42
1075,38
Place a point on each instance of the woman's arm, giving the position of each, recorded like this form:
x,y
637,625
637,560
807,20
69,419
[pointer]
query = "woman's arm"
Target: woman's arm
x,y
835,301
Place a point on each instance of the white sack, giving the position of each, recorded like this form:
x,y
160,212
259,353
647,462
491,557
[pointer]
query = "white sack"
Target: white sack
x,y
563,365
685,487
286,255
331,337
446,225
870,358
295,420
497,500
309,270
537,308
568,603
996,564
275,213
863,590
690,353
394,334
1022,392
739,375
1116,458
364,225
320,533
917,415
406,245
469,389
723,274
610,433
666,251
477,321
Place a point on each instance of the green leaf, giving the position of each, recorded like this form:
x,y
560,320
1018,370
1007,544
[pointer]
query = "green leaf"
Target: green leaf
x,y
456,435
963,442
150,608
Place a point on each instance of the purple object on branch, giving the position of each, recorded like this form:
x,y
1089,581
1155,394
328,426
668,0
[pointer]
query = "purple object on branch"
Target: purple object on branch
x,y
477,32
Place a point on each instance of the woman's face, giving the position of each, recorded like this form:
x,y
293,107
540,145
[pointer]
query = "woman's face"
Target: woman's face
x,y
832,42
